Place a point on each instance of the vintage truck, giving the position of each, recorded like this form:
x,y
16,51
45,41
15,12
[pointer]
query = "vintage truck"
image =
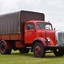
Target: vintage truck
x,y
28,31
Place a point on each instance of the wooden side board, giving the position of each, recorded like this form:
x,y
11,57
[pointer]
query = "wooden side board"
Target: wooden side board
x,y
11,37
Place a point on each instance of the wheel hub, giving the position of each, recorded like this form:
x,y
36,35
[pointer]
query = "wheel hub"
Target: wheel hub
x,y
38,50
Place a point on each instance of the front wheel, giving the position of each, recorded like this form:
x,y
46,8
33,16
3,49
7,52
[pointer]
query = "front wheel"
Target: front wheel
x,y
3,48
38,50
58,52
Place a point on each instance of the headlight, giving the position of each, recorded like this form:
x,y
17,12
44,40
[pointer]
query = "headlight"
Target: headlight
x,y
48,39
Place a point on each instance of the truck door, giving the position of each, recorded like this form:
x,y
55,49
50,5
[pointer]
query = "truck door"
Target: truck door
x,y
30,33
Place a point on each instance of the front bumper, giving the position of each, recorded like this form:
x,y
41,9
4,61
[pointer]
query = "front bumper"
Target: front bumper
x,y
54,47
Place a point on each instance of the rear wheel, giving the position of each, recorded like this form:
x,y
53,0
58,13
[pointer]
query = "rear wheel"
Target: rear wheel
x,y
3,48
38,50
24,50
58,52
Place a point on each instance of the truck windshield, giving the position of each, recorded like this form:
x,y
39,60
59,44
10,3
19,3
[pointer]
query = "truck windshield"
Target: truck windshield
x,y
42,25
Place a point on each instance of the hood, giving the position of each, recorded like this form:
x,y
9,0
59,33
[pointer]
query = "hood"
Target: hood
x,y
51,34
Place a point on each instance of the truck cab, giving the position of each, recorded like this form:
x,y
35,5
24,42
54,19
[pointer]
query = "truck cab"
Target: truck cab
x,y
39,29
43,38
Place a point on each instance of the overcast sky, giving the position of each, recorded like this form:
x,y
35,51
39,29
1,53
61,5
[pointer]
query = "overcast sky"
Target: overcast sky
x,y
53,9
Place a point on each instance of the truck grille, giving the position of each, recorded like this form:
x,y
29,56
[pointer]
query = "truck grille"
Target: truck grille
x,y
60,40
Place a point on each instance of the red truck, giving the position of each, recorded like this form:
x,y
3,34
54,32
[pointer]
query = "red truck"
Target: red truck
x,y
26,30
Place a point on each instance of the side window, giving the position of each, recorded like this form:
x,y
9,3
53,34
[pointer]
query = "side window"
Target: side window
x,y
30,26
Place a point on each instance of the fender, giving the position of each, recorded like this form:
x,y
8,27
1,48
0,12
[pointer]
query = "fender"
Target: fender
x,y
51,43
41,40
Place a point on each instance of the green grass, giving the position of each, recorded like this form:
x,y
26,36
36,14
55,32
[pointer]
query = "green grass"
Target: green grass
x,y
17,58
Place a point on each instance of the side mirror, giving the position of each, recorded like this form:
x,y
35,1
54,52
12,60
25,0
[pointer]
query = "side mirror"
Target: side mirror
x,y
54,28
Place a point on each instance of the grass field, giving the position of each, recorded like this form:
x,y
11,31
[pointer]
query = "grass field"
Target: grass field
x,y
17,58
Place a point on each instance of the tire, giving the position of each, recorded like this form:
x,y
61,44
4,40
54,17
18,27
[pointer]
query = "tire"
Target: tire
x,y
3,48
24,50
58,52
38,50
